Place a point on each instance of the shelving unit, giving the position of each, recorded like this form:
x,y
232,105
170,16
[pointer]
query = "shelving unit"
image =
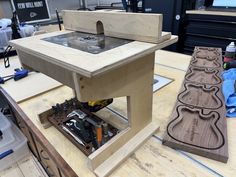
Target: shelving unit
x,y
209,29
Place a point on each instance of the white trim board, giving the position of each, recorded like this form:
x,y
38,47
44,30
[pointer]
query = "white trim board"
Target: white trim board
x,y
162,82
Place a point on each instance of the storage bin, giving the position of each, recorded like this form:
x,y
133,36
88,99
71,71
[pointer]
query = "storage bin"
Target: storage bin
x,y
13,144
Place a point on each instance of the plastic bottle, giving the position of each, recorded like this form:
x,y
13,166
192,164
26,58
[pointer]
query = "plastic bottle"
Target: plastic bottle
x,y
230,52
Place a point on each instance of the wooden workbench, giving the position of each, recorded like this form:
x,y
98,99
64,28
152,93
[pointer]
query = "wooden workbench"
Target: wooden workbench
x,y
152,159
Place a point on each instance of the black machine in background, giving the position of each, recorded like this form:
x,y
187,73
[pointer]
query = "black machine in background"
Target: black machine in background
x,y
208,30
173,14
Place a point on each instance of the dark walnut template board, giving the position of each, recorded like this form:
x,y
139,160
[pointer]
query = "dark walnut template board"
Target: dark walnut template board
x,y
198,122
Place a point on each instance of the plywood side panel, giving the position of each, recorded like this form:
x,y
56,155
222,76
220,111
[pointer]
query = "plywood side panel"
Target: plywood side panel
x,y
56,72
84,63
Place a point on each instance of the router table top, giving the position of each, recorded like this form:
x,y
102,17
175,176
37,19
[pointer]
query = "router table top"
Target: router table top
x,y
82,62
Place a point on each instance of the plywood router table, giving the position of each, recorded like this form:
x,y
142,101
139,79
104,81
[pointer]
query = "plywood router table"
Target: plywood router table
x,y
121,63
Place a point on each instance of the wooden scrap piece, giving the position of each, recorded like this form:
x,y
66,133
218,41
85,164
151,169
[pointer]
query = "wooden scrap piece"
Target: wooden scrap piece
x,y
198,123
134,26
28,87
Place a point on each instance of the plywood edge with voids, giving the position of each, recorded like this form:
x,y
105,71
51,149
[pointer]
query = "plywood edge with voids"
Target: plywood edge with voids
x,y
133,26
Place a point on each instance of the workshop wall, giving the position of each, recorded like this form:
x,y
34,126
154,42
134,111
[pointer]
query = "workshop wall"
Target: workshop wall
x,y
5,6
1,12
6,9
107,2
62,4
93,3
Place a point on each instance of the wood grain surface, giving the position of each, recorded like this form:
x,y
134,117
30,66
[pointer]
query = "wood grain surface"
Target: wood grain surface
x,y
198,123
134,26
83,63
203,75
151,159
163,103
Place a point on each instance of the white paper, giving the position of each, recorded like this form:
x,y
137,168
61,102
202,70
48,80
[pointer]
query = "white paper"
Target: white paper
x,y
224,3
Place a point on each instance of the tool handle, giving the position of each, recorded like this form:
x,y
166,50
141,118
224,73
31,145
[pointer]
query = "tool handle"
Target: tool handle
x,y
5,154
20,74
2,81
0,134
99,134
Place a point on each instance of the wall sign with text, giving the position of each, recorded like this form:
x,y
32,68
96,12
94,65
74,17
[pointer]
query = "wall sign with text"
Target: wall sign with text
x,y
31,10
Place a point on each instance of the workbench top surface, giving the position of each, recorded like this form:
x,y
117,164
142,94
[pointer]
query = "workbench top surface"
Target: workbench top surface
x,y
85,63
17,90
152,159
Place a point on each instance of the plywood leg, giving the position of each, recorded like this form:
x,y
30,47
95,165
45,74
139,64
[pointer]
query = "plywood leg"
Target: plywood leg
x,y
139,116
125,151
139,105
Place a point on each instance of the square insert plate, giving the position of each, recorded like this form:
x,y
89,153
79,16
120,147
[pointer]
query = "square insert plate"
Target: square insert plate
x,y
91,43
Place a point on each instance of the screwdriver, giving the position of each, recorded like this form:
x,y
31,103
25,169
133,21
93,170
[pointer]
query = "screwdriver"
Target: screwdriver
x,y
99,135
